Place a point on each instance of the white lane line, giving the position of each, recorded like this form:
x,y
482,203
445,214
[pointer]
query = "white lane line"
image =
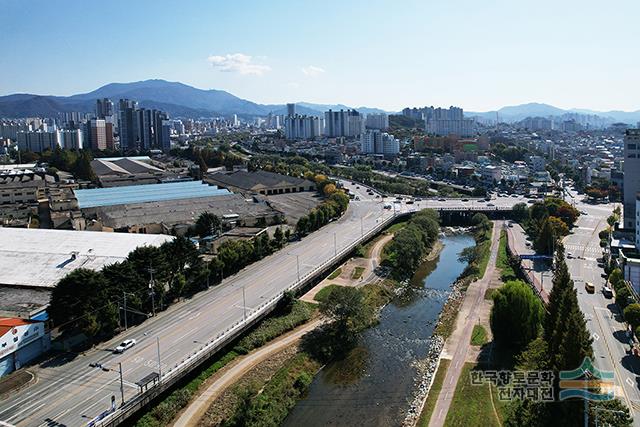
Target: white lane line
x,y
26,409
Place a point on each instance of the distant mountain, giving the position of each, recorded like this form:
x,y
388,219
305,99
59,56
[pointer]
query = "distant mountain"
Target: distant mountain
x,y
324,107
178,99
516,113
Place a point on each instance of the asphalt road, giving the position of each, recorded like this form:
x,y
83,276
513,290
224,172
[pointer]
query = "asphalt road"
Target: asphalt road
x,y
71,393
604,320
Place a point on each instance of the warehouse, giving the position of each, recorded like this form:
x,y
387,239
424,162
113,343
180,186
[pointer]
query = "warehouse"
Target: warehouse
x,y
41,257
260,182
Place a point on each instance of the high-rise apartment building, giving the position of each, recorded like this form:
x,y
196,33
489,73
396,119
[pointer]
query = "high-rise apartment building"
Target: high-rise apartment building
x,y
376,142
128,124
631,184
377,121
443,122
302,127
104,108
291,110
342,123
99,134
39,141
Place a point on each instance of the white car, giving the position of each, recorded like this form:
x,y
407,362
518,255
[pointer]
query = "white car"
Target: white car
x,y
124,345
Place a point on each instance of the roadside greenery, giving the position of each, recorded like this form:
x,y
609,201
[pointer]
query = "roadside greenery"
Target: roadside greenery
x,y
290,314
335,273
504,262
477,256
478,335
331,208
323,293
411,243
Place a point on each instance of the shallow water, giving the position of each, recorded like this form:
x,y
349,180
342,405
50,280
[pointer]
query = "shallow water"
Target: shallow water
x,y
374,385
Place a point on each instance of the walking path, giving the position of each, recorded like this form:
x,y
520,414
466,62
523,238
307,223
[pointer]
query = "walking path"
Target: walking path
x,y
458,345
192,413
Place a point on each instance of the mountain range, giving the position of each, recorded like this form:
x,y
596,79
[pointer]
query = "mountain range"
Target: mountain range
x,y
181,100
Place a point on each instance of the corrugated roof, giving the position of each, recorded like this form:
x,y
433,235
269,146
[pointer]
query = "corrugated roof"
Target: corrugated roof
x,y
41,257
146,193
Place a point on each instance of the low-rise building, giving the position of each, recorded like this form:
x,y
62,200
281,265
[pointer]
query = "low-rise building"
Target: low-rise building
x,y
259,182
21,341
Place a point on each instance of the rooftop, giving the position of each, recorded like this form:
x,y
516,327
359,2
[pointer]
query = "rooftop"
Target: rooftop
x,y
250,180
40,257
146,193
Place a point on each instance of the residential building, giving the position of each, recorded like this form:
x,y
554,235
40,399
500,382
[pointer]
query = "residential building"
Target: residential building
x,y
491,174
128,124
99,134
39,141
376,142
342,123
443,122
291,110
302,127
73,139
104,108
377,121
631,170
537,163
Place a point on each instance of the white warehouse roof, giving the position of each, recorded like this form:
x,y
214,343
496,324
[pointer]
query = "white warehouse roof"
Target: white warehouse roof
x,y
40,257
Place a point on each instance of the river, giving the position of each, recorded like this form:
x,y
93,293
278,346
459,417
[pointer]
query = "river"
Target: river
x,y
374,385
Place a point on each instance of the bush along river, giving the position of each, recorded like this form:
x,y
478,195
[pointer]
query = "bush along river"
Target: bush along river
x,y
380,381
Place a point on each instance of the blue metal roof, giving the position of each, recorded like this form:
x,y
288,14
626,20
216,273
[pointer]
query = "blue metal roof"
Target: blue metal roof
x,y
146,193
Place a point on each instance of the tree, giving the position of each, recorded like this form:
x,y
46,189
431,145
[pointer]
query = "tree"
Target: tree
x,y
610,413
546,240
516,315
632,315
560,229
207,224
329,189
520,212
347,309
278,237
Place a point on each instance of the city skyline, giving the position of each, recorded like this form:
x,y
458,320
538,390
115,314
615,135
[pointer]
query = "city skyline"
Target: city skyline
x,y
482,57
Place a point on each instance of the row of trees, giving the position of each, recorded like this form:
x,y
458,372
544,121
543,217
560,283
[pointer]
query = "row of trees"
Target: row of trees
x,y
546,222
411,243
77,162
556,340
332,207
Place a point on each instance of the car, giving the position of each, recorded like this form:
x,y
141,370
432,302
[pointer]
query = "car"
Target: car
x,y
124,346
488,199
531,201
418,199
490,204
465,200
589,287
584,212
569,255
607,292
514,195
353,183
357,187
442,200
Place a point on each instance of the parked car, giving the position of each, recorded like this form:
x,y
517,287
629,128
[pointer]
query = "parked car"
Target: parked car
x,y
465,200
442,200
124,345
607,292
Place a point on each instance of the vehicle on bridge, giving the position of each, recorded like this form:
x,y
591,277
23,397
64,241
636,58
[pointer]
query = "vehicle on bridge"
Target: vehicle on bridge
x,y
124,345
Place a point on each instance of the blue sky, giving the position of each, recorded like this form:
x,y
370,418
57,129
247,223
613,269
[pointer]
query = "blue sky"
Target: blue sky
x,y
480,55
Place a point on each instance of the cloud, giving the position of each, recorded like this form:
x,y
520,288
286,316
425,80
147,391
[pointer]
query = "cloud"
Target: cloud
x,y
237,63
312,71
293,85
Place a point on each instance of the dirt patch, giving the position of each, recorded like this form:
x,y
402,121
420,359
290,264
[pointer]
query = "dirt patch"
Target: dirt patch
x,y
224,405
14,382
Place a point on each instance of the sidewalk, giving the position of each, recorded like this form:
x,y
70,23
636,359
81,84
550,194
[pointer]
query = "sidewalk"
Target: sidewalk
x,y
458,346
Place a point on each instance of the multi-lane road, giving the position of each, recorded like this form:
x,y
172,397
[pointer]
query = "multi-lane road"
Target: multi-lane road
x,y
70,392
604,320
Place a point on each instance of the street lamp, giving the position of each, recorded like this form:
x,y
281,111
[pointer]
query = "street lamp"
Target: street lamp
x,y
107,369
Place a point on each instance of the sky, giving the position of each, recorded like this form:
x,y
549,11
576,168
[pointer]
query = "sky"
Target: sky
x,y
478,54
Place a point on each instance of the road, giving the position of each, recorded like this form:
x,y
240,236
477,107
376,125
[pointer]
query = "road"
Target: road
x,y
604,320
72,393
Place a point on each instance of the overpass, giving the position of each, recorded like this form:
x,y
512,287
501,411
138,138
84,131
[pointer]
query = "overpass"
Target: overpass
x,y
172,344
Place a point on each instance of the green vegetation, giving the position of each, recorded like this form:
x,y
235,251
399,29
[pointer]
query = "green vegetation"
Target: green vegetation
x,y
332,207
623,294
270,405
78,162
335,273
516,315
434,392
477,257
163,413
503,262
324,292
290,314
488,294
357,273
411,243
546,222
299,312
478,335
474,402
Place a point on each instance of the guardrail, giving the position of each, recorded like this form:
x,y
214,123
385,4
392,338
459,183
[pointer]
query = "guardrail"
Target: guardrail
x,y
195,358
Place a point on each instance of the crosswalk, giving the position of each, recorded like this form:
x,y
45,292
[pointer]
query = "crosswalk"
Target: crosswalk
x,y
580,250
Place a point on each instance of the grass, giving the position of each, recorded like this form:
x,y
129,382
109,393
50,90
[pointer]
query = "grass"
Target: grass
x,y
270,405
376,295
357,273
336,273
395,227
472,404
484,251
488,294
479,335
164,412
434,392
502,262
323,293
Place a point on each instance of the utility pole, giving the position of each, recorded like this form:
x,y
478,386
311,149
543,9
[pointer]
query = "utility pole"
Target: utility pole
x,y
124,294
244,305
159,365
151,290
121,381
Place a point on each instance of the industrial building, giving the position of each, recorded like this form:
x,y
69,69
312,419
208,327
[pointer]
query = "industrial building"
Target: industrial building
x,y
167,208
41,257
260,182
121,171
21,341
